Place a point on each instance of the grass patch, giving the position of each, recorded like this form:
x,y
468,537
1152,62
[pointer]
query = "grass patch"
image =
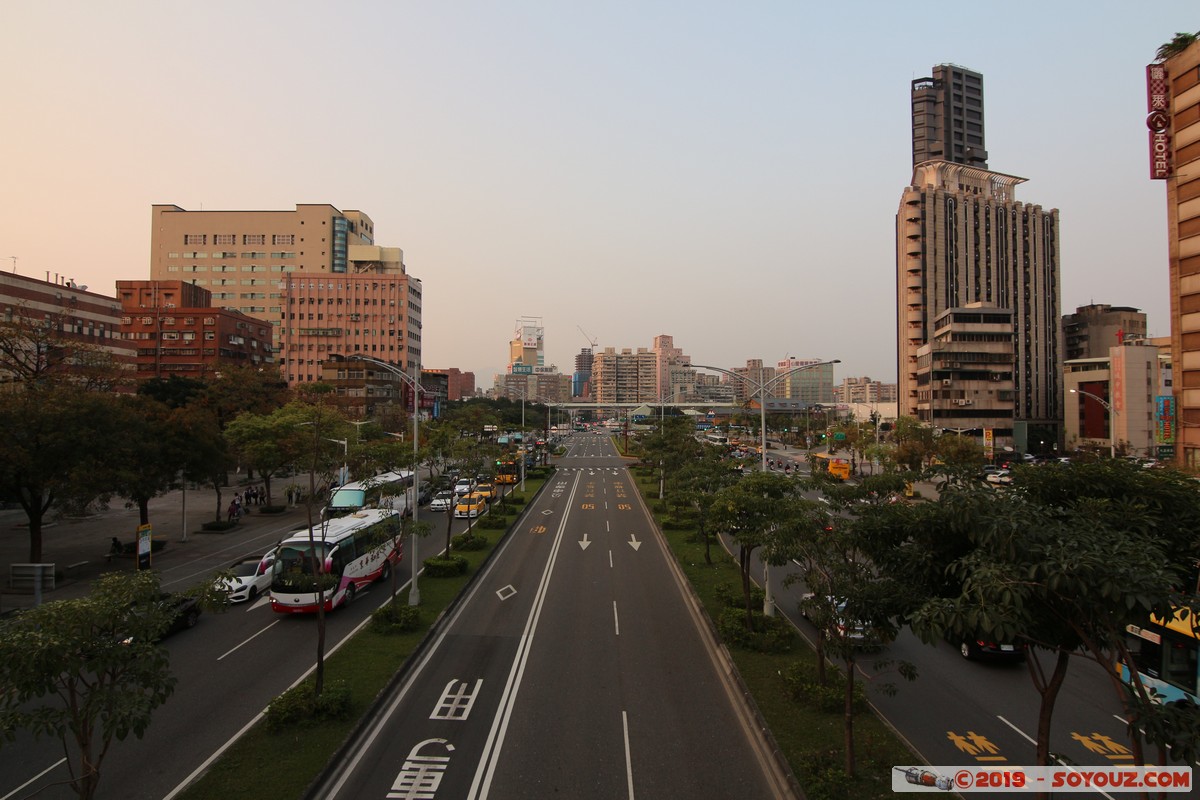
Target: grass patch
x,y
810,739
364,664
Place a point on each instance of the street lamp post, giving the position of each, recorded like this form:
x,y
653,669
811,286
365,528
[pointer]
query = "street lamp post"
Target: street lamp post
x,y
761,387
1112,438
414,383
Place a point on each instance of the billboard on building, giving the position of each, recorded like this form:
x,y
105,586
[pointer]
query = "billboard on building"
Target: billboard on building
x,y
1158,120
1164,419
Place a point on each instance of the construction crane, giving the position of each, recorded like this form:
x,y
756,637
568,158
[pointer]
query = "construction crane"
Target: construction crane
x,y
593,342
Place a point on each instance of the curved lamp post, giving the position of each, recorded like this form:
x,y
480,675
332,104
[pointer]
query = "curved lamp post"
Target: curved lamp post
x,y
414,593
761,391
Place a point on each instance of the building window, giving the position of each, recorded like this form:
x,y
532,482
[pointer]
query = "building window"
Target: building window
x,y
254,238
210,335
283,238
225,238
195,238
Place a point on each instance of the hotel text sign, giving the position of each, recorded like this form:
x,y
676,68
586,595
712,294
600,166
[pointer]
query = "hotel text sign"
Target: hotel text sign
x,y
1158,121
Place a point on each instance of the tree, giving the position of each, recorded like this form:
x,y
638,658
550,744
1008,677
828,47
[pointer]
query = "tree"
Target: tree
x,y
696,485
147,458
1065,564
761,511
1180,42
44,464
89,670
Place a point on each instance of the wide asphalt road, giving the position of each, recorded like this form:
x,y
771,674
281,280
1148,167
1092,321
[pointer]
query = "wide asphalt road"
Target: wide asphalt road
x,y
576,666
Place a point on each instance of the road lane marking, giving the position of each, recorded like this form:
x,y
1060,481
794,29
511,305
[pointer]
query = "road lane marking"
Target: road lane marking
x,y
247,641
486,770
616,619
58,763
628,760
1033,742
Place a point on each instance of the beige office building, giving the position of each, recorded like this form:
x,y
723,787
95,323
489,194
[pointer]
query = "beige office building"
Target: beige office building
x,y
315,274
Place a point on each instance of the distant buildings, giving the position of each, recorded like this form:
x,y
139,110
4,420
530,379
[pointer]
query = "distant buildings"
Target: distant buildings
x,y
528,376
1174,146
864,391
966,246
1093,329
1114,402
314,274
177,331
71,312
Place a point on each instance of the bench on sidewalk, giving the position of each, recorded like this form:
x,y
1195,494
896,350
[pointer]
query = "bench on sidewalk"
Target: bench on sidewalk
x,y
71,570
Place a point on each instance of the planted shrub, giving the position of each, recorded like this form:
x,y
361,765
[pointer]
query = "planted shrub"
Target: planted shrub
x,y
469,541
396,617
448,567
494,521
299,707
218,526
730,594
770,634
272,509
830,697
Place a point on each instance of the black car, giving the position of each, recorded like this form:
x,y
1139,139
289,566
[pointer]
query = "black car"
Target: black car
x,y
184,613
980,649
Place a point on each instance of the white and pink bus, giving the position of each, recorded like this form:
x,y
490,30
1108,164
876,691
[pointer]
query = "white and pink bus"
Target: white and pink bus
x,y
339,557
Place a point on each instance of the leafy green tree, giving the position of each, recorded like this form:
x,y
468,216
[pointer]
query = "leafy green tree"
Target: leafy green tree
x,y
696,484
1065,564
235,390
146,458
89,670
44,464
763,511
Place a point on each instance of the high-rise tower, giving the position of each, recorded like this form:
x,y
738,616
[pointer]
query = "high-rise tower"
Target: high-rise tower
x,y
979,332
947,117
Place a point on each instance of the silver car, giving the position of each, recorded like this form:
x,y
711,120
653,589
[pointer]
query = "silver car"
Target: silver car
x,y
251,577
442,501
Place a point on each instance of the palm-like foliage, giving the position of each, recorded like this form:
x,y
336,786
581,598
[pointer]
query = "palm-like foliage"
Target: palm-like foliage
x,y
1181,42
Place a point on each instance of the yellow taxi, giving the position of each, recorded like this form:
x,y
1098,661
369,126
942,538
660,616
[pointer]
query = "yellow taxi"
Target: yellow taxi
x,y
487,490
470,506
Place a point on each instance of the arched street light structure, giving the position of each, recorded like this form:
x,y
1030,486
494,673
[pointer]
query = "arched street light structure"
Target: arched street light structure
x,y
414,383
1112,439
761,390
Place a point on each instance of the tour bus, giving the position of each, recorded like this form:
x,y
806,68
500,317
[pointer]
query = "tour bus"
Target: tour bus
x,y
385,490
717,438
347,553
834,466
1167,658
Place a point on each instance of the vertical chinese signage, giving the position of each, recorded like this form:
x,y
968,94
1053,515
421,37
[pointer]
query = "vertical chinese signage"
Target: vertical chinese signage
x,y
1116,394
1164,419
1158,121
989,443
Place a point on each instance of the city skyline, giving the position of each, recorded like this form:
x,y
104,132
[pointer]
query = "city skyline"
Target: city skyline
x,y
727,177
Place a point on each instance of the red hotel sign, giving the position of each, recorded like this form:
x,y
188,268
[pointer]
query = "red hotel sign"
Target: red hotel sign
x,y
1158,121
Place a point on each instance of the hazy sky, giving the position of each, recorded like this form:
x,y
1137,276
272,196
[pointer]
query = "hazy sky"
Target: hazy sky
x,y
727,173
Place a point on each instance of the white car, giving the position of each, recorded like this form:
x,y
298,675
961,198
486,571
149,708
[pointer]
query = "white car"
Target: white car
x,y
442,501
251,577
1002,478
463,488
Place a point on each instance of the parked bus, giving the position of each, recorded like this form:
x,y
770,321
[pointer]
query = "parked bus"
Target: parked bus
x,y
507,471
1167,659
385,490
833,466
717,438
344,554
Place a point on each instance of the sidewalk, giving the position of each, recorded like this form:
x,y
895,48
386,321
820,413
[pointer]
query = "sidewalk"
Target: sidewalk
x,y
79,547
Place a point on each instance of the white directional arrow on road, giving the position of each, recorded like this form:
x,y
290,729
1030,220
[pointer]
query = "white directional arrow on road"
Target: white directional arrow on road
x,y
633,542
584,544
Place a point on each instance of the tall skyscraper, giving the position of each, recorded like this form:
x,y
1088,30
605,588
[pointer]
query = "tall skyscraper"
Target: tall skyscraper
x,y
965,244
947,117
